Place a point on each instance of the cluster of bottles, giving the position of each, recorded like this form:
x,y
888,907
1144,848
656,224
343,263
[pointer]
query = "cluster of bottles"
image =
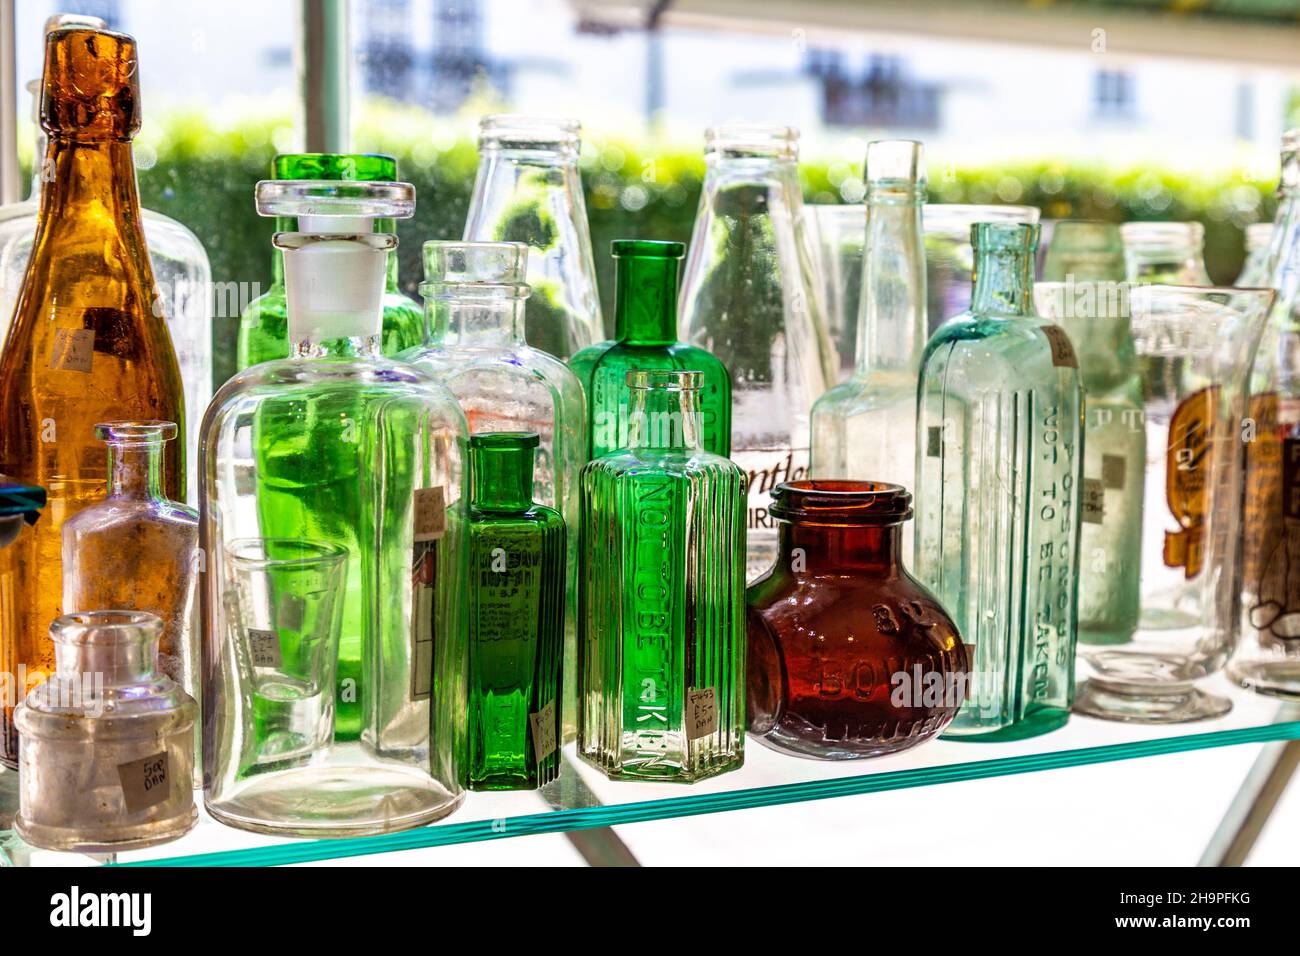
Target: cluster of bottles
x,y
434,544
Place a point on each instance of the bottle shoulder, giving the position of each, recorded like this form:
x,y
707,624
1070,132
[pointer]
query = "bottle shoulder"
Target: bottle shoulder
x,y
173,240
538,518
629,463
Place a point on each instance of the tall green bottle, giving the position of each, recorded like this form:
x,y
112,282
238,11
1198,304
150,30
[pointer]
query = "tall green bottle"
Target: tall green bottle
x,y
516,618
661,612
999,456
264,328
1085,293
645,336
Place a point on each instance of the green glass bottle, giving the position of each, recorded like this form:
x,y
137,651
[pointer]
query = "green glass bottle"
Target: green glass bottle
x,y
1085,294
661,612
999,435
263,327
645,336
516,618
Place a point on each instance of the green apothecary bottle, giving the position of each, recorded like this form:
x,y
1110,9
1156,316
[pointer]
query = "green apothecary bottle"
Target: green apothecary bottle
x,y
263,327
662,595
645,336
516,618
1085,293
999,456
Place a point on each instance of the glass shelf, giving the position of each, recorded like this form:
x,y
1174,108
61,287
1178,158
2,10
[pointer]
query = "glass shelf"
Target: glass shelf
x,y
583,799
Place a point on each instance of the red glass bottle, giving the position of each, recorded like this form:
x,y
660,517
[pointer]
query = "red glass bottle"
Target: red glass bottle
x,y
849,656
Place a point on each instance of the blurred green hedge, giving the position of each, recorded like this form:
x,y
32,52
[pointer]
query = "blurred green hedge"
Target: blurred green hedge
x,y
205,176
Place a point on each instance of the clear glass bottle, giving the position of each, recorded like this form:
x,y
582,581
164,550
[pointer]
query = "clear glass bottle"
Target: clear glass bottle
x,y
107,743
86,345
1195,345
264,327
750,298
1086,294
136,550
333,523
528,190
848,655
661,644
516,619
1267,658
949,258
1255,270
837,232
645,336
1172,253
182,275
475,298
865,428
999,464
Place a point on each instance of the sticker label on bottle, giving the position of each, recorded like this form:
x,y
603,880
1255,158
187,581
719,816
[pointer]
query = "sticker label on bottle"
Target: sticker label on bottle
x,y
430,524
542,725
1093,503
145,782
430,510
74,350
264,648
701,713
1112,472
934,441
1062,348
1187,468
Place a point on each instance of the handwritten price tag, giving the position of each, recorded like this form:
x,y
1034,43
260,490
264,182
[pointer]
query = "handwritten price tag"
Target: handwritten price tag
x,y
430,508
264,647
74,350
145,782
701,713
542,725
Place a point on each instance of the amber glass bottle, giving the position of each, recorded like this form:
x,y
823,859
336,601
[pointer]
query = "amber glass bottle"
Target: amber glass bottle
x,y
88,344
849,656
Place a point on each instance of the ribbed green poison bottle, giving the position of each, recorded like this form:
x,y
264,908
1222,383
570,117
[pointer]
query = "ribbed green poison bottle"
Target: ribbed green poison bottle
x,y
333,524
475,297
263,328
1086,294
865,428
661,651
999,463
516,619
645,336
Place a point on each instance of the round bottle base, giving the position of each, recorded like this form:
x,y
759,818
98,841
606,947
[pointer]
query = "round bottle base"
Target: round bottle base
x,y
1107,702
1033,725
73,840
336,801
1279,678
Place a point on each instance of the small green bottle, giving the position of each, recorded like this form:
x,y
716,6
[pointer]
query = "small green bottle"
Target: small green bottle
x,y
1085,293
263,327
516,619
645,336
661,611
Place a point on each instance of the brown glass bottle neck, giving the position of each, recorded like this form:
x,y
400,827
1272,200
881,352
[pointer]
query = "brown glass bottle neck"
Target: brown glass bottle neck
x,y
90,185
872,549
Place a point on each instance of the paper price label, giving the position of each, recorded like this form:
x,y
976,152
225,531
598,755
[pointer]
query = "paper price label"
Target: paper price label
x,y
264,647
1093,506
542,725
430,509
145,782
1062,349
1112,471
74,350
701,713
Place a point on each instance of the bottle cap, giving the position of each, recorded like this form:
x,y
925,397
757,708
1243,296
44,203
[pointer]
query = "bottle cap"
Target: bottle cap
x,y
91,86
335,265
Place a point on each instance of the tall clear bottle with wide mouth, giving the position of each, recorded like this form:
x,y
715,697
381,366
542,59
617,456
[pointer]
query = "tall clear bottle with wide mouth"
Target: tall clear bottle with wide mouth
x,y
182,291
999,463
333,524
749,297
1268,244
1171,253
474,310
264,324
1085,293
528,190
1267,657
865,428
